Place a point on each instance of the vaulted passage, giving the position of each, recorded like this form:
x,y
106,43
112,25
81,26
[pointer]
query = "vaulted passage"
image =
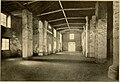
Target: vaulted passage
x,y
59,40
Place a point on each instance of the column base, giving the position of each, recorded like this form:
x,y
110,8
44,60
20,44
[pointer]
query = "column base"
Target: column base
x,y
113,72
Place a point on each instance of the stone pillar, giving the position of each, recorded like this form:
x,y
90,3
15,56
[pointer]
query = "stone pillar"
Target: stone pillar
x,y
113,72
58,42
101,33
86,54
27,34
95,31
40,36
83,36
54,40
91,41
45,38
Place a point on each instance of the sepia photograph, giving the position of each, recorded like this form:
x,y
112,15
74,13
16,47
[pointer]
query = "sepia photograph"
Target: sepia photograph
x,y
59,40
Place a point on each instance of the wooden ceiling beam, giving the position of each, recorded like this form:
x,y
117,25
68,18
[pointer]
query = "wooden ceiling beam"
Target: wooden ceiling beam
x,y
67,18
19,4
64,14
67,28
51,12
64,30
57,25
56,20
77,23
70,9
29,3
78,9
75,17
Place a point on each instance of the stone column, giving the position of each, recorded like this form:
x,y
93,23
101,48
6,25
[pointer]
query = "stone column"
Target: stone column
x,y
27,34
83,36
101,33
58,41
45,38
86,54
54,40
113,72
40,36
91,42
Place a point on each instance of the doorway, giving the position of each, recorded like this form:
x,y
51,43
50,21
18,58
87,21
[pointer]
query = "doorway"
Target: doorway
x,y
71,46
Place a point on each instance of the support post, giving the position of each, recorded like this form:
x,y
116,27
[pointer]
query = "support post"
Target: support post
x,y
60,42
86,36
45,38
113,72
40,30
27,34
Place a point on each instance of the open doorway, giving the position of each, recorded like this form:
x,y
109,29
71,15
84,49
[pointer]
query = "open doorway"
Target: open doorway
x,y
71,46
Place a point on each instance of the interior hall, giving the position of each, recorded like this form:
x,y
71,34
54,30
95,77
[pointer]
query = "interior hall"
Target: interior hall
x,y
59,40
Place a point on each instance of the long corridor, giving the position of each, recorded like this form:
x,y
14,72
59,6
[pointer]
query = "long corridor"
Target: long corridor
x,y
59,40
57,67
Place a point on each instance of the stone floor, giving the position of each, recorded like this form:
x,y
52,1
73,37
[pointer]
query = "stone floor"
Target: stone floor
x,y
57,67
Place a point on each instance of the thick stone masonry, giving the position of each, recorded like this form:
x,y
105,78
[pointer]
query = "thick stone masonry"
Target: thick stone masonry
x,y
27,34
45,52
113,72
40,38
91,43
35,36
98,33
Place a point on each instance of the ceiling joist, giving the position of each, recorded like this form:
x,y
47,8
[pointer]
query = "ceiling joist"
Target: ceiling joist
x,y
64,14
78,9
77,23
57,25
64,30
75,17
67,18
67,28
29,2
70,9
56,20
51,12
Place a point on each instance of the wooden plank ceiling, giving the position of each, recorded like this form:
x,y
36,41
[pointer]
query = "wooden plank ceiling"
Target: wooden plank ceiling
x,y
61,15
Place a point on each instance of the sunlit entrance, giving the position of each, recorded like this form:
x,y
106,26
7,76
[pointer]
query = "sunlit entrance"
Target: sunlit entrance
x,y
71,46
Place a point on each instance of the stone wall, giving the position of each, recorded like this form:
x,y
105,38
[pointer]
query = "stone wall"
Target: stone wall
x,y
91,36
113,72
50,43
35,36
14,34
58,42
98,33
77,40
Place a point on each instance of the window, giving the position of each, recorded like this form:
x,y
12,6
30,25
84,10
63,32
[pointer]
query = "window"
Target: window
x,y
5,44
71,36
5,20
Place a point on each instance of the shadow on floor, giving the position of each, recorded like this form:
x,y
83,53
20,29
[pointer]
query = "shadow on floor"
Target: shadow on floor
x,y
62,60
